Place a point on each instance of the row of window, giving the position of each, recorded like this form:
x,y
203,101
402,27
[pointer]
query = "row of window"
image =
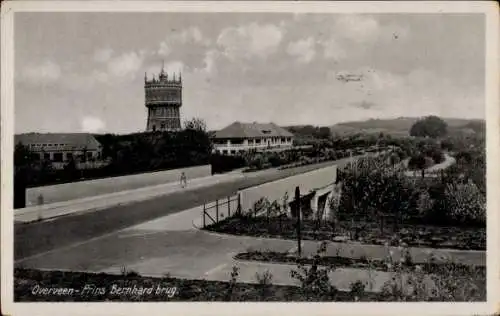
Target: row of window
x,y
255,141
163,126
163,98
60,157
232,152
160,93
168,111
47,145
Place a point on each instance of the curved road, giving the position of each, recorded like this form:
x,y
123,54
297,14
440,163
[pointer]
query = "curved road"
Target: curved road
x,y
38,237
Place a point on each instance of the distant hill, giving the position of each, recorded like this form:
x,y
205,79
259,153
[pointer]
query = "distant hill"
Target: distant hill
x,y
401,126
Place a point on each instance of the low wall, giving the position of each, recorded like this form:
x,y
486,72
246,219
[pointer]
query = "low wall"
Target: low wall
x,y
82,189
275,190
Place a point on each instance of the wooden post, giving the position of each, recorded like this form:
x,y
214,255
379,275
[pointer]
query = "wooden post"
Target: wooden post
x,y
204,209
228,206
239,203
298,212
217,210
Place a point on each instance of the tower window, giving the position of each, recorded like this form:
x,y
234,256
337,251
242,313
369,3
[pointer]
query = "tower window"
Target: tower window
x,y
154,128
162,126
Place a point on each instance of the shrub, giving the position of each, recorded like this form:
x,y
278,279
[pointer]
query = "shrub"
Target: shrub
x,y
466,203
232,283
420,162
257,161
314,280
357,290
265,282
425,203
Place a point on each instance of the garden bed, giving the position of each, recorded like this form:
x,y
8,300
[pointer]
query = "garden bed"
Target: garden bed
x,y
464,238
185,290
359,263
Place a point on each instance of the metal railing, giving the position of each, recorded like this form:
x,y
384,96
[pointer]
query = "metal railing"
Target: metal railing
x,y
220,206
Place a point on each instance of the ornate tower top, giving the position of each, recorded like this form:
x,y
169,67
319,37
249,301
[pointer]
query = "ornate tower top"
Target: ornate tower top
x,y
163,79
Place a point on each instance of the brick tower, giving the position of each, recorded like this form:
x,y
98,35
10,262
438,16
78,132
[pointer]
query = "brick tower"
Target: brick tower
x,y
163,99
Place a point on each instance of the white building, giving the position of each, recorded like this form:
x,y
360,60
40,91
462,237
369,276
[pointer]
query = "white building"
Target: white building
x,y
241,137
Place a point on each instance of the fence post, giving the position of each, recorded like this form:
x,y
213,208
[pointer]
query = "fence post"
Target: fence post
x,y
298,211
204,209
239,203
217,210
228,206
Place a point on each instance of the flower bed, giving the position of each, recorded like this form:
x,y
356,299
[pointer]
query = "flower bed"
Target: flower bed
x,y
185,290
360,263
465,238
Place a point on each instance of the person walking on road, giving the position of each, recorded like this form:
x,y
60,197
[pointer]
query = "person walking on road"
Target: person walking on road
x,y
183,180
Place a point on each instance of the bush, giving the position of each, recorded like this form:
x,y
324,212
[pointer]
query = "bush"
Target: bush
x,y
224,163
466,204
315,280
420,162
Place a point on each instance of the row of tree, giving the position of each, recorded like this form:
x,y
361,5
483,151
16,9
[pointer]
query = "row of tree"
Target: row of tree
x,y
132,153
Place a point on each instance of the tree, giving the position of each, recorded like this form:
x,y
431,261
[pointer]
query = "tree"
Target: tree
x,y
324,132
430,126
23,157
23,170
195,124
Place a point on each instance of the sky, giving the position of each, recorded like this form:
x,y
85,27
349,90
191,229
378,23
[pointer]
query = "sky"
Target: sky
x,y
84,72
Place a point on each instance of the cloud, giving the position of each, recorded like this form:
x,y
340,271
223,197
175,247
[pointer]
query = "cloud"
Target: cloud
x,y
420,92
92,124
103,55
164,49
333,49
303,50
252,40
171,68
358,28
189,36
364,104
210,60
127,64
47,72
192,34
109,71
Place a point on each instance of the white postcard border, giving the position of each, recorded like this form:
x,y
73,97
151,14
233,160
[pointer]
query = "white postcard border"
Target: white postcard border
x,y
490,9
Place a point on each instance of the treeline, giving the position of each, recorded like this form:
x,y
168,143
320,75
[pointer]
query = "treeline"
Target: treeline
x,y
143,152
309,132
127,154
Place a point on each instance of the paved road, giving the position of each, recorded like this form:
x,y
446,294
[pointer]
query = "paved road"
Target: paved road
x,y
33,238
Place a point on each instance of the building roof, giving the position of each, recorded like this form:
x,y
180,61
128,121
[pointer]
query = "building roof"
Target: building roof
x,y
64,140
252,130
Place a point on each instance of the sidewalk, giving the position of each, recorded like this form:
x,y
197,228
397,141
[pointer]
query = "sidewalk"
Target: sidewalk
x,y
341,278
448,161
419,255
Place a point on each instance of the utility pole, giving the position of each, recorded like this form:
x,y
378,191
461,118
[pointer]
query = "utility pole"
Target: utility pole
x,y
298,213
